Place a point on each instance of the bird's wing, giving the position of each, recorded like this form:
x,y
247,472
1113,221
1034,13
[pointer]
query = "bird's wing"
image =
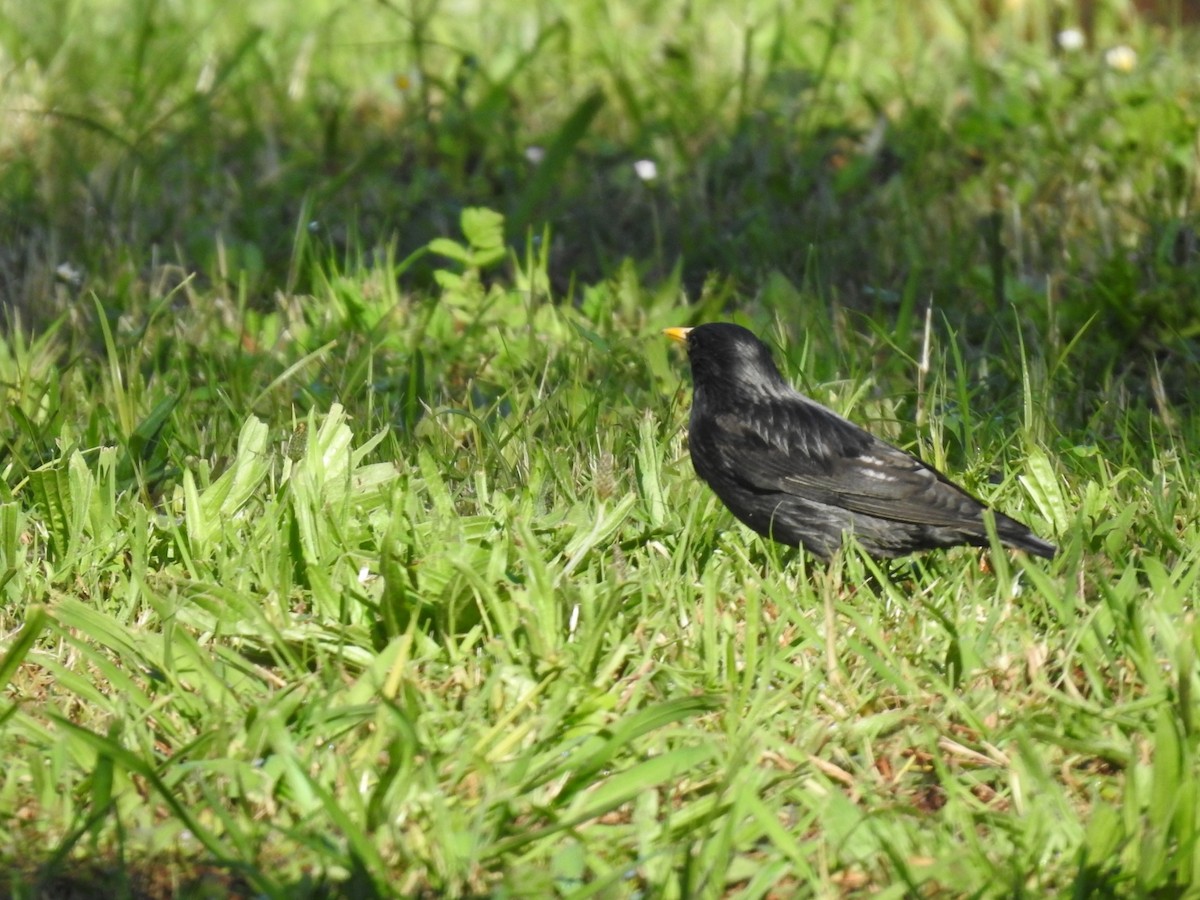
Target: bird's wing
x,y
804,449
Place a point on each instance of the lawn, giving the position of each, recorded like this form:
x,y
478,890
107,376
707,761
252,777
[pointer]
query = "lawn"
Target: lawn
x,y
349,544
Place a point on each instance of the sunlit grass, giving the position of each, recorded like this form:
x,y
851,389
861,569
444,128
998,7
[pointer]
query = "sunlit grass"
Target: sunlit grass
x,y
511,637
349,545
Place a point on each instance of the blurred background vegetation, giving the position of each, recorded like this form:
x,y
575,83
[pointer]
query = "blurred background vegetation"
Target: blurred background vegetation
x,y
1034,154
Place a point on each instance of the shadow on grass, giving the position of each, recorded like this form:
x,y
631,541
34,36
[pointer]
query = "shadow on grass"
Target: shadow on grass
x,y
173,878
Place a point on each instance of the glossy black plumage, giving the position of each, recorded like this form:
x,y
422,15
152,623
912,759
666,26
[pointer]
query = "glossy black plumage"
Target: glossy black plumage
x,y
802,475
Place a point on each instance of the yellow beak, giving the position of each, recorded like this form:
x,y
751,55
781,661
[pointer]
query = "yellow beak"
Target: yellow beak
x,y
677,334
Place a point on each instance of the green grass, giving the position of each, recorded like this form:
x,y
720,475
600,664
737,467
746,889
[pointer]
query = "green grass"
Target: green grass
x,y
349,545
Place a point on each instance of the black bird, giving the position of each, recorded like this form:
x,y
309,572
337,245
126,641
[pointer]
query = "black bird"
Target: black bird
x,y
800,474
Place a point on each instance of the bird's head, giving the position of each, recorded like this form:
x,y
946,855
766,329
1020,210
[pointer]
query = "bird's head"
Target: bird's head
x,y
728,360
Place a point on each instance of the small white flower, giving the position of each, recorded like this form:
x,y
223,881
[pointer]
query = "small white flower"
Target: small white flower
x,y
535,154
1071,39
1122,58
646,169
69,273
364,575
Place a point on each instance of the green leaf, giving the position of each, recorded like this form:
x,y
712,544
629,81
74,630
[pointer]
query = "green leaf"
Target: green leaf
x,y
50,486
649,456
483,228
1044,489
451,250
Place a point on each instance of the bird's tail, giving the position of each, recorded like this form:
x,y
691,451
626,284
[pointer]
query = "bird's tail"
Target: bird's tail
x,y
1013,534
